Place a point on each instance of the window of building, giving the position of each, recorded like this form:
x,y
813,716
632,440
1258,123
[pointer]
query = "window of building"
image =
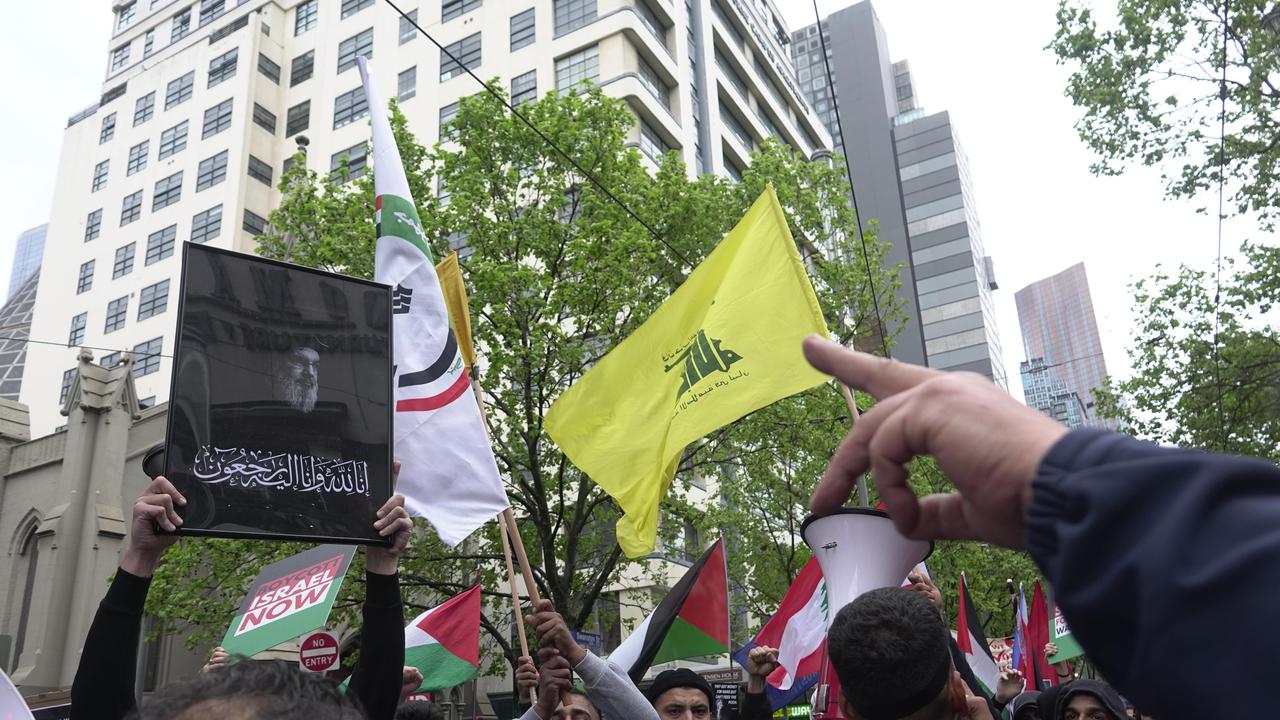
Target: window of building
x,y
260,171
356,159
450,9
84,283
349,107
298,118
131,208
582,66
149,43
117,310
93,225
269,69
306,17
154,300
211,10
407,30
160,244
524,87
407,83
78,323
353,47
110,360
447,114
573,14
108,130
264,118
120,57
523,31
351,7
179,91
125,15
138,157
217,119
253,223
206,225
144,108
100,175
67,378
212,170
651,21
302,67
172,140
735,126
147,402
654,82
651,143
168,191
223,67
124,261
466,50
146,357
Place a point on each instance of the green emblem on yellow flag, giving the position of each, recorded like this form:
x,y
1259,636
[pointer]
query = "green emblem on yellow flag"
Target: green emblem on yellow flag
x,y
725,344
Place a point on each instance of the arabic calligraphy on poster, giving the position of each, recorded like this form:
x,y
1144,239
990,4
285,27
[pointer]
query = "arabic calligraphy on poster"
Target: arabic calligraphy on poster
x,y
239,467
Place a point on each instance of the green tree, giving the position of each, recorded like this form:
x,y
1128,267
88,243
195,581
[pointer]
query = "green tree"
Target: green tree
x,y
1185,390
558,273
1149,89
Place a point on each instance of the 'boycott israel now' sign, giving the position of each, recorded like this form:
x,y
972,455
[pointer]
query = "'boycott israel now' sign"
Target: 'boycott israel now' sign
x,y
288,598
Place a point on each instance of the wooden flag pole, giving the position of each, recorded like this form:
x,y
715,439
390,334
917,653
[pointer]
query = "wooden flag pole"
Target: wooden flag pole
x,y
853,420
515,600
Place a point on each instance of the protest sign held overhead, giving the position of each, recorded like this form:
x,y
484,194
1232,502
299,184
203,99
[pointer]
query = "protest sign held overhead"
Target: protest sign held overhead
x,y
288,598
280,419
726,343
318,652
448,473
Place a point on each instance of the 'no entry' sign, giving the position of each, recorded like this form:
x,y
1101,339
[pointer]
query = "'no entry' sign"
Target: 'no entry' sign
x,y
318,652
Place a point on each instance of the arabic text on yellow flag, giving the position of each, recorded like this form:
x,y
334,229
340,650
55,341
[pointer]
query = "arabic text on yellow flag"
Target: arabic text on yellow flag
x,y
455,298
725,344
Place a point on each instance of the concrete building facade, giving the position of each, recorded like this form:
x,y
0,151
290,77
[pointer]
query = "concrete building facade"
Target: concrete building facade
x,y
1045,392
911,176
1058,325
27,255
203,104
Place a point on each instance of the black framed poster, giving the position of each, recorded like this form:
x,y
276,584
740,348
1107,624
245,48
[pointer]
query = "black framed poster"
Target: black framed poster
x,y
280,406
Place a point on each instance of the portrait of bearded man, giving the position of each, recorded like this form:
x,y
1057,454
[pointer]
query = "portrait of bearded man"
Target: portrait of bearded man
x,y
297,379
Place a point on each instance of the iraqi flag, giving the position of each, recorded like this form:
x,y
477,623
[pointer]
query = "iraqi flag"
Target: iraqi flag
x,y
691,621
973,643
444,642
798,630
448,474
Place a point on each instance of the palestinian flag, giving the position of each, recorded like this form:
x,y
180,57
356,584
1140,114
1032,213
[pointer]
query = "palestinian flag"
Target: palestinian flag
x,y
972,642
444,642
691,621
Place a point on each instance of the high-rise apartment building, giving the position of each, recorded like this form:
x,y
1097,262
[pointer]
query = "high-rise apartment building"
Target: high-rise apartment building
x,y
1058,325
204,102
26,257
1051,396
911,175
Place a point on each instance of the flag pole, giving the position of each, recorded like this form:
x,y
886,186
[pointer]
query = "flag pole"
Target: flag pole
x,y
853,421
515,600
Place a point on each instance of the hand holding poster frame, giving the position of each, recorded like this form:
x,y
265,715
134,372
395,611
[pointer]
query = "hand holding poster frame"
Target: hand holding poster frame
x,y
280,410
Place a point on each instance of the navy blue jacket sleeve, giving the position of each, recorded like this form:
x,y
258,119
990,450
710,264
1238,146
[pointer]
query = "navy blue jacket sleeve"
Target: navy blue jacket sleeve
x,y
1166,564
378,674
104,682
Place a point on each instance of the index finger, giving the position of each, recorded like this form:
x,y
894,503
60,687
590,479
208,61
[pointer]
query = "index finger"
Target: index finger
x,y
879,376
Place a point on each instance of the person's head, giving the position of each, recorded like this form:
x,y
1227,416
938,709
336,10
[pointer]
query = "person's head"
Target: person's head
x,y
682,694
575,705
1026,706
251,690
298,379
889,649
418,710
1090,700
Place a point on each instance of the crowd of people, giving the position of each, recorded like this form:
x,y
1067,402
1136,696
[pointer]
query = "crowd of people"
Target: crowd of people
x,y
1154,553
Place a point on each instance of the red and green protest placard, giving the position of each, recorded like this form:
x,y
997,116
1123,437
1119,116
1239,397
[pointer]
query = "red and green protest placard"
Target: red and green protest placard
x,y
288,598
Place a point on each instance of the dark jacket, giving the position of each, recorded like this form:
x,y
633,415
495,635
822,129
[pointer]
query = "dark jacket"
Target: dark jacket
x,y
104,683
1165,563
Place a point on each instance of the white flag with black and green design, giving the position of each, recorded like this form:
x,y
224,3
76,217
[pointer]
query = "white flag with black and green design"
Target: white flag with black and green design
x,y
447,474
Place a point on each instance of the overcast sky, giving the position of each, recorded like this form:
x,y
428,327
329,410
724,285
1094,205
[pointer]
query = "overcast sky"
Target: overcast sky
x,y
1041,210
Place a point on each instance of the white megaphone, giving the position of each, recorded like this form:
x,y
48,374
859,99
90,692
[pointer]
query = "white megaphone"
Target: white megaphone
x,y
859,550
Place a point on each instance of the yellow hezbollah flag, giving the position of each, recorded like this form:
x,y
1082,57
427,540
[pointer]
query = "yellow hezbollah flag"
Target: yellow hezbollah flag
x,y
725,344
455,298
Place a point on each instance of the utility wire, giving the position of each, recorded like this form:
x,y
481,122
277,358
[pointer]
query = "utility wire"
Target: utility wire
x,y
506,102
853,192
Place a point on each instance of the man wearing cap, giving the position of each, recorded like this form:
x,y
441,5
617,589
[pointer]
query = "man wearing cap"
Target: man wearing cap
x,y
889,649
682,694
